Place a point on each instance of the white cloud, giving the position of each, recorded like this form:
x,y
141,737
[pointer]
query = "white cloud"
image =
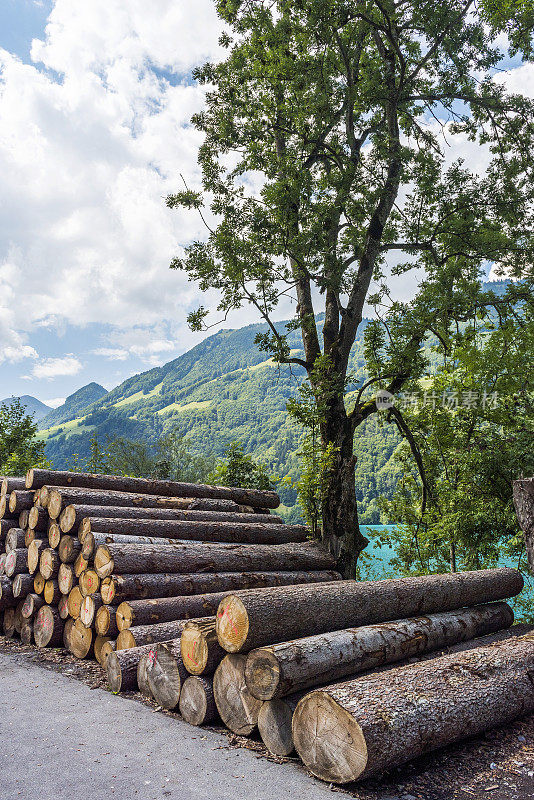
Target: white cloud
x,y
55,367
111,353
55,402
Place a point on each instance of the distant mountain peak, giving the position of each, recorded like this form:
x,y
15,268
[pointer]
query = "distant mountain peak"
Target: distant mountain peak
x,y
74,405
33,406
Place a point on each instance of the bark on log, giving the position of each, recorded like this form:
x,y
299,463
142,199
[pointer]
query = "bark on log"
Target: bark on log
x,y
98,647
61,497
121,668
7,524
90,605
89,582
165,673
48,627
67,628
51,592
197,703
10,484
72,516
22,585
236,706
106,621
107,648
38,583
7,598
65,578
75,602
142,676
20,500
23,519
26,631
201,531
68,549
259,617
274,724
38,518
19,619
16,561
283,669
49,563
63,606
81,640
34,554
346,731
201,651
524,507
153,612
32,604
138,587
4,507
149,634
15,539
187,557
93,541
36,478
8,622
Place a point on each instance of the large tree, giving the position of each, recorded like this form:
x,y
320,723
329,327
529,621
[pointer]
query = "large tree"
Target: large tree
x,y
326,160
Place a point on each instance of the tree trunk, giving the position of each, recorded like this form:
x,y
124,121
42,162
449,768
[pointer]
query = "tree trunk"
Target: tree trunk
x,y
26,631
107,648
143,685
237,708
132,613
11,484
63,606
202,531
7,598
364,726
34,554
274,724
32,604
138,587
68,549
23,519
38,518
201,651
48,627
22,585
51,593
19,619
106,621
149,634
259,617
290,667
3,557
29,536
16,561
75,602
90,605
54,535
197,702
88,582
38,583
80,565
73,516
8,622
121,668
20,501
65,578
15,539
187,557
92,541
341,531
49,563
81,640
165,673
524,507
99,643
7,524
36,478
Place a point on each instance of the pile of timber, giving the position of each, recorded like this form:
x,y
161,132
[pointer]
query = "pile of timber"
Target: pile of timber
x,y
80,545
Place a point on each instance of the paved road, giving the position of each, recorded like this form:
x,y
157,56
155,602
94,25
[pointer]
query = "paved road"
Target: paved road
x,y
61,740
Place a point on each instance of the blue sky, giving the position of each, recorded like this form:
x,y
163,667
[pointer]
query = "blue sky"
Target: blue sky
x,y
95,102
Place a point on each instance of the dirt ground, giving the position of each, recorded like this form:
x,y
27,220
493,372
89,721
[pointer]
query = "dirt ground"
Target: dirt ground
x,y
498,765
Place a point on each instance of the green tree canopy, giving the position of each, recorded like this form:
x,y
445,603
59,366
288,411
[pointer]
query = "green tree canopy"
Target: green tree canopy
x,y
19,449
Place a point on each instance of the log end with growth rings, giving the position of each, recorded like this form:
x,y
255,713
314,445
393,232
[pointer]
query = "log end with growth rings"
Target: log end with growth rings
x,y
237,708
194,650
232,624
262,673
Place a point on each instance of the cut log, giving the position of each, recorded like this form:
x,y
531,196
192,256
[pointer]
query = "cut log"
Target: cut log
x,y
165,673
117,588
9,485
8,623
80,565
142,676
4,506
44,494
75,602
16,562
49,563
232,531
29,536
15,539
48,627
63,606
90,605
274,724
259,617
121,668
68,549
51,592
88,582
65,578
201,651
3,557
19,619
81,640
73,515
187,557
38,583
69,624
236,706
7,598
61,497
106,621
54,535
34,554
344,732
283,669
99,643
149,634
107,648
31,606
7,524
152,612
197,703
20,500
523,491
35,478
38,518
23,519
26,631
94,540
22,585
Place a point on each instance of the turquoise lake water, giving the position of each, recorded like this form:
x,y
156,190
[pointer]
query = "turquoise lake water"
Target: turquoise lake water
x,y
376,564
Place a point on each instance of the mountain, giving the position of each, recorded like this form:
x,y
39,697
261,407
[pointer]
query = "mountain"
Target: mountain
x,y
32,405
73,405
